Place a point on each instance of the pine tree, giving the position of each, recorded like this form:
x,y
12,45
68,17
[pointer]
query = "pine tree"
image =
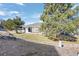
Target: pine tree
x,y
57,18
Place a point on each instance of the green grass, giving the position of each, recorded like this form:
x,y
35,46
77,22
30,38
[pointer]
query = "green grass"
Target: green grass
x,y
39,38
35,37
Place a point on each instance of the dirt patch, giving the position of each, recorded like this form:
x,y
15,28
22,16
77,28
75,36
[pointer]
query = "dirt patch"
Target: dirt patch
x,y
20,47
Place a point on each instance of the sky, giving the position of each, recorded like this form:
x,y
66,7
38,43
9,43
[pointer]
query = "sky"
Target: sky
x,y
29,12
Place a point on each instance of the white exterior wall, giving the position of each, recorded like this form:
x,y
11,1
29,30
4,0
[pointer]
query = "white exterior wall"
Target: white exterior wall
x,y
26,30
35,30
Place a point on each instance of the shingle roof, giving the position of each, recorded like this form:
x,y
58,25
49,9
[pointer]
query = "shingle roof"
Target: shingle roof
x,y
34,25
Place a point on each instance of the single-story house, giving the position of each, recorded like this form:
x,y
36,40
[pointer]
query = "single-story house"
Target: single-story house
x,y
31,28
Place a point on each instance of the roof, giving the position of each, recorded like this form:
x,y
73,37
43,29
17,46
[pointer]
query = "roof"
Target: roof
x,y
34,25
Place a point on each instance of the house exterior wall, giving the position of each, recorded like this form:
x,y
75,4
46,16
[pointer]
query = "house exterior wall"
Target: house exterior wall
x,y
35,30
26,30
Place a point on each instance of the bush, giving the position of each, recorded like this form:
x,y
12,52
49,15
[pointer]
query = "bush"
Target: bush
x,y
67,37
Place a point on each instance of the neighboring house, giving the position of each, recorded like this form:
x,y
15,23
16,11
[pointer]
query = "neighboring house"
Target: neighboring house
x,y
31,28
1,26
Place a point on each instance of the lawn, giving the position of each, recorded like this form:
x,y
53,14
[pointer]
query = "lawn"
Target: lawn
x,y
33,37
39,38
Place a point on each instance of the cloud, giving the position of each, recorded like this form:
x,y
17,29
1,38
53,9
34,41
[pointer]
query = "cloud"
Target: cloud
x,y
20,4
1,4
10,13
27,23
2,13
36,15
14,12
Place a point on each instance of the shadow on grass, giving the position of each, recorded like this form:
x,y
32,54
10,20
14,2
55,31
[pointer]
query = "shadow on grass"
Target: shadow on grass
x,y
20,47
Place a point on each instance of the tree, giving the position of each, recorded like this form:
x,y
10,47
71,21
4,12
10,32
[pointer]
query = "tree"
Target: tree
x,y
9,24
57,18
14,23
18,23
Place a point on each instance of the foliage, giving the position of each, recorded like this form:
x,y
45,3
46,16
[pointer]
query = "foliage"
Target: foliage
x,y
11,24
18,21
58,18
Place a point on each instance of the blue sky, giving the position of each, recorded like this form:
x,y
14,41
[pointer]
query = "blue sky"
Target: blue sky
x,y
29,12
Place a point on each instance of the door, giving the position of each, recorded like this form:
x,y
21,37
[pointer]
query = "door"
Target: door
x,y
30,29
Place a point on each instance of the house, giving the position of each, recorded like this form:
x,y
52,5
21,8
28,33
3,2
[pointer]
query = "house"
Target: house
x,y
31,28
